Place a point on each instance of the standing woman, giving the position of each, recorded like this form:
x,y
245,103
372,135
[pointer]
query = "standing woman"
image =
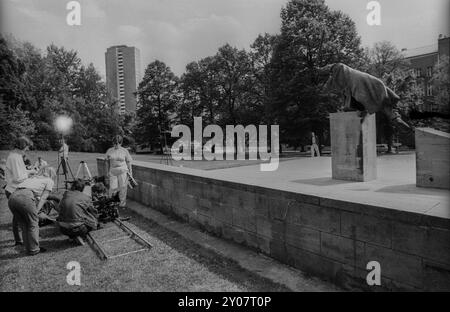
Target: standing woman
x,y
118,166
25,203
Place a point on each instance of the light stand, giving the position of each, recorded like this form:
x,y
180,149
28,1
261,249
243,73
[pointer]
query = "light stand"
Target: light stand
x,y
63,164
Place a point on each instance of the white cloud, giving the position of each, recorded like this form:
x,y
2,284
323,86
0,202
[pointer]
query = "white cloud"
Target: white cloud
x,y
190,40
212,20
129,32
91,9
35,14
180,31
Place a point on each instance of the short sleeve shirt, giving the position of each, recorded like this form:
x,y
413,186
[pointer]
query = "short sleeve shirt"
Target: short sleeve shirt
x,y
15,172
118,160
118,157
37,185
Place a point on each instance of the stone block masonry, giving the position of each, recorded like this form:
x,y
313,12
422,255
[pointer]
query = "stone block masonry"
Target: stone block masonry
x,y
353,146
432,158
332,239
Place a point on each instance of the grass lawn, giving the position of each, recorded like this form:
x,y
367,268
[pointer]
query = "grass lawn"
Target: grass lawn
x,y
173,264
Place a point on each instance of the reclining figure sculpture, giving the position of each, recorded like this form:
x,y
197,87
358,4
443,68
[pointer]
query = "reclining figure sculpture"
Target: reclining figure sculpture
x,y
363,92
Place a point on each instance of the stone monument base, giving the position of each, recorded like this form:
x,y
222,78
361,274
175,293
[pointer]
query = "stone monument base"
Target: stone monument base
x,y
353,147
432,158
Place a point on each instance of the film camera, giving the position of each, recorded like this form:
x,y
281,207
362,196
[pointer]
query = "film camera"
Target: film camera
x,y
107,207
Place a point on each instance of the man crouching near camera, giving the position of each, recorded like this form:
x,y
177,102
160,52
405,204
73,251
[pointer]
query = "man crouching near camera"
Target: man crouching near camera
x,y
77,215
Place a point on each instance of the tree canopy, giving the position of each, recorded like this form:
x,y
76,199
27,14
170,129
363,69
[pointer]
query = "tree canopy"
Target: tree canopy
x,y
311,37
37,87
276,81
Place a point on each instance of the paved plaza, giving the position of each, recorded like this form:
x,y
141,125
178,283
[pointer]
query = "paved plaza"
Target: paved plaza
x,y
394,188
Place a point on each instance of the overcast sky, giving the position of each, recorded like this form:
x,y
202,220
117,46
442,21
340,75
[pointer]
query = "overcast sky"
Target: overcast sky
x,y
180,31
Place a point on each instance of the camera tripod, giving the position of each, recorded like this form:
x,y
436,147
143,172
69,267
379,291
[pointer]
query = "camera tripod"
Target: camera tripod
x,y
63,164
83,168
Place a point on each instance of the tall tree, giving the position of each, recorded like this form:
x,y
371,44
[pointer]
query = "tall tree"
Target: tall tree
x,y
14,120
12,71
384,58
311,36
37,87
387,62
200,91
441,83
234,82
261,52
157,95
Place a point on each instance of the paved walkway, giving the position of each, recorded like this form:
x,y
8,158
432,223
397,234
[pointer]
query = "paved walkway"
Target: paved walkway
x,y
395,187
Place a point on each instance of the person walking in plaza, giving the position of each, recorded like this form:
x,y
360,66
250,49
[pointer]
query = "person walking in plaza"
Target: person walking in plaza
x,y
314,146
15,173
25,204
118,161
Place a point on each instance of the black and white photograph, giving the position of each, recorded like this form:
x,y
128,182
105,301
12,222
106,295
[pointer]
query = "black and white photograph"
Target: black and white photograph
x,y
224,152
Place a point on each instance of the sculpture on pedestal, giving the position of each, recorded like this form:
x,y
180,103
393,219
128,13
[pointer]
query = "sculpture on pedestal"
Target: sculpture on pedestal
x,y
363,92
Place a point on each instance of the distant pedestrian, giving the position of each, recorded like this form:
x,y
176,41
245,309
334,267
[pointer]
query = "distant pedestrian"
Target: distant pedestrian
x,y
314,146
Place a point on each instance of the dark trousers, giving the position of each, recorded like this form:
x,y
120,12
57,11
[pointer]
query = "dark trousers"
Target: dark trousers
x,y
64,166
23,206
81,230
15,224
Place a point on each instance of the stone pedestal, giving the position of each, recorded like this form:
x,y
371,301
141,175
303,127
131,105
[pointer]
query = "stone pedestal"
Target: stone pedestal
x,y
353,147
432,158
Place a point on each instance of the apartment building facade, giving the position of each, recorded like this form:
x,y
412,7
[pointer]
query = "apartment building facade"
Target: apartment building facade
x,y
123,76
422,61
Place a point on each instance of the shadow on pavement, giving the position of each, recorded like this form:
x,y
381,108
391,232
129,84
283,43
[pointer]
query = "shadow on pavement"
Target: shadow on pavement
x,y
325,181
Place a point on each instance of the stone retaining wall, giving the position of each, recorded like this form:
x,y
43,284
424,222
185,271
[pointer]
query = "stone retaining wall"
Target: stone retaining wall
x,y
328,238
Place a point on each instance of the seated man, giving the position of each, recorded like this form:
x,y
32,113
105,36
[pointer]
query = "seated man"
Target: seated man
x,y
77,215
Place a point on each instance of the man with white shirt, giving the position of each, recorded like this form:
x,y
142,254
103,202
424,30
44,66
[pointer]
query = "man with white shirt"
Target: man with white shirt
x,y
15,173
26,202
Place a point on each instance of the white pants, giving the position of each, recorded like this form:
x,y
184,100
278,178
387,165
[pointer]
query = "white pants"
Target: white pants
x,y
119,183
315,148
